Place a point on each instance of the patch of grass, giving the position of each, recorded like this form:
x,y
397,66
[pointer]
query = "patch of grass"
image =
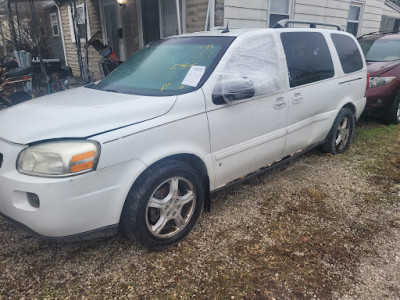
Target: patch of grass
x,y
377,148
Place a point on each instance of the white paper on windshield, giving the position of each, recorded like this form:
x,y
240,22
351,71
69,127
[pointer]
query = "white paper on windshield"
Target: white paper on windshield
x,y
194,75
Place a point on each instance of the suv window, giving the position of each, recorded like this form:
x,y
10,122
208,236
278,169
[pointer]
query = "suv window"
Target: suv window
x,y
307,56
348,52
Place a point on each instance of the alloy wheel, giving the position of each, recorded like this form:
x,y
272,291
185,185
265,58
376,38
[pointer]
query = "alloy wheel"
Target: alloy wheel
x,y
170,207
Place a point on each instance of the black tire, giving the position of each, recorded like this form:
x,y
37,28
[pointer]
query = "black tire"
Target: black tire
x,y
166,185
341,133
392,115
19,97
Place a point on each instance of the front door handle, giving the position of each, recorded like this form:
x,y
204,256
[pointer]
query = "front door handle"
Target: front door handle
x,y
280,103
297,98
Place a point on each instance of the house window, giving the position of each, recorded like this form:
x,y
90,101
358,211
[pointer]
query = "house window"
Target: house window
x,y
279,10
390,24
353,22
80,28
54,24
80,21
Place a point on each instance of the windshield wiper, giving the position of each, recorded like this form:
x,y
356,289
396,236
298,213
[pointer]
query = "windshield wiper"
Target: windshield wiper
x,y
91,85
111,90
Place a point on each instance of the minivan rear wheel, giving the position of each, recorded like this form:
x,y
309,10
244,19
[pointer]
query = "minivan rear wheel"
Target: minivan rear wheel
x,y
392,115
341,133
163,205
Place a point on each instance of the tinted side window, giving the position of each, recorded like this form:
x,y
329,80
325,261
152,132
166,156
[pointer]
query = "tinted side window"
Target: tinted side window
x,y
349,55
307,56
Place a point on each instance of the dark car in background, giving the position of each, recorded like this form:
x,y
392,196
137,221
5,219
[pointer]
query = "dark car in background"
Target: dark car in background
x,y
382,52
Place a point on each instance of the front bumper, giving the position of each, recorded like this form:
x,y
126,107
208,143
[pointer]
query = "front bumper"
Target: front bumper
x,y
68,206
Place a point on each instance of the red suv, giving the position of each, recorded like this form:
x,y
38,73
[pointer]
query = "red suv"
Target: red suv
x,y
382,52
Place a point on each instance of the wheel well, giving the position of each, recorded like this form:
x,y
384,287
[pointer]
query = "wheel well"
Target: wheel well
x,y
198,165
351,107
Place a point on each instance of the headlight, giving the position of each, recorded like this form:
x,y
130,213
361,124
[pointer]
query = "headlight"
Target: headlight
x,y
379,81
59,159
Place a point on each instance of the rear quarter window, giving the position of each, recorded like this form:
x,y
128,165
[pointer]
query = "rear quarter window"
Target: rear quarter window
x,y
348,52
308,57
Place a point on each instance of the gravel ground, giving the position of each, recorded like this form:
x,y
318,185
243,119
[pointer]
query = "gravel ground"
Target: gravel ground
x,y
378,276
302,231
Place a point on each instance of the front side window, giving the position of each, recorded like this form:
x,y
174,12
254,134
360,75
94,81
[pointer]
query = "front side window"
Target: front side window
x,y
167,67
383,49
307,56
353,22
348,52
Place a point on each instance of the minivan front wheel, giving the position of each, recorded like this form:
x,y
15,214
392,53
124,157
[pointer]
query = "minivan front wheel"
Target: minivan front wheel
x,y
341,133
163,206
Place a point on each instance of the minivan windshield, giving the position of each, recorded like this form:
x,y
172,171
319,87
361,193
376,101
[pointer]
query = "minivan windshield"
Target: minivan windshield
x,y
167,67
381,49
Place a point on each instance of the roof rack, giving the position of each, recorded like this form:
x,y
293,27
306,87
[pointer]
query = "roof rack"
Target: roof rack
x,y
285,23
382,32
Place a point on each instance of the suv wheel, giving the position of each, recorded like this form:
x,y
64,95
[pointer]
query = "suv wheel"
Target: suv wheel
x,y
392,115
341,133
163,206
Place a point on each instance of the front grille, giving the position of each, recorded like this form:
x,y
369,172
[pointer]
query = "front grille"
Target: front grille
x,y
1,159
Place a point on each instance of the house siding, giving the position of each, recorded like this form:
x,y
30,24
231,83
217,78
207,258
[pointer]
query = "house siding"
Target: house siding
x,y
255,13
246,13
333,11
70,47
390,12
373,10
196,14
219,12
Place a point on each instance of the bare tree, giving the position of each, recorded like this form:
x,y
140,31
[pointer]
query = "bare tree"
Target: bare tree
x,y
25,32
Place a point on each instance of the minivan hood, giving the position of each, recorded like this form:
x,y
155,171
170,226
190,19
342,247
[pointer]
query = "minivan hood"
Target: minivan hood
x,y
379,67
78,113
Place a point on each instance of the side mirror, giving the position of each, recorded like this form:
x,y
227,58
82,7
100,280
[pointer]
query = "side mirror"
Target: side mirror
x,y
232,88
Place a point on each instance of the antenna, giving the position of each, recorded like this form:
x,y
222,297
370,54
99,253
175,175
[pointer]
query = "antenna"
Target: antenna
x,y
226,30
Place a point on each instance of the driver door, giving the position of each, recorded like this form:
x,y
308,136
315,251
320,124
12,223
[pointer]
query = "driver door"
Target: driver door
x,y
249,134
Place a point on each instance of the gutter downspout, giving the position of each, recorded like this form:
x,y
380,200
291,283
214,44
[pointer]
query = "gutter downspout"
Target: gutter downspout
x,y
208,16
293,9
212,14
62,32
268,13
178,15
